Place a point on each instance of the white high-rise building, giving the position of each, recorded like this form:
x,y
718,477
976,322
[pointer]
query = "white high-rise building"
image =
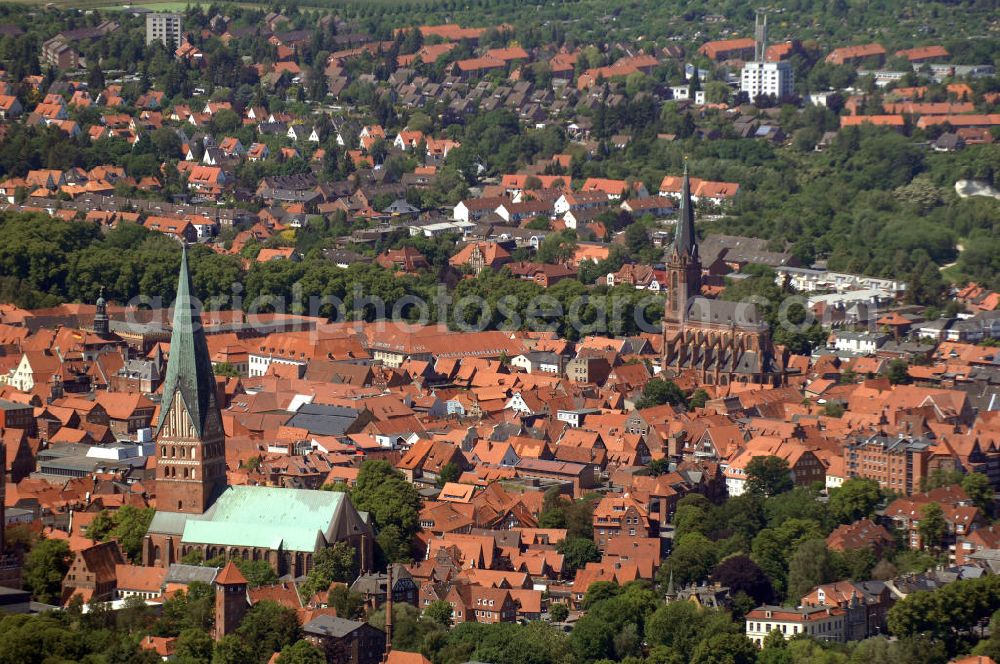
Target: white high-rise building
x,y
164,28
767,78
760,77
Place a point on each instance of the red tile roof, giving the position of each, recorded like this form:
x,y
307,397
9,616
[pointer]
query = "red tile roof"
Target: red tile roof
x,y
230,576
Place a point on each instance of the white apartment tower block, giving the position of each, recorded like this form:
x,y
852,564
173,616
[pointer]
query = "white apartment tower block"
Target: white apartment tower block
x,y
765,78
164,28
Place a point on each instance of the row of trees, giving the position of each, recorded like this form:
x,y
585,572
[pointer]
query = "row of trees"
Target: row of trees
x,y
631,624
45,261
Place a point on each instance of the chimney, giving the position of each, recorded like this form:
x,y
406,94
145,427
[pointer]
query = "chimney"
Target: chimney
x,y
388,612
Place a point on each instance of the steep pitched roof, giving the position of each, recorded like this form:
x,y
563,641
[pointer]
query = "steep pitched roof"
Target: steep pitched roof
x,y
230,576
189,371
685,240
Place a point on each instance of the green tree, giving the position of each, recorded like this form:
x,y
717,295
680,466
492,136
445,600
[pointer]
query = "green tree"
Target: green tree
x,y
898,372
725,649
979,489
257,572
855,499
95,78
167,143
44,568
949,615
226,369
578,551
557,247
233,649
772,547
185,609
658,392
933,526
600,591
741,574
799,503
133,616
194,644
940,478
833,409
128,525
558,612
692,560
267,628
394,504
225,121
301,652
131,526
193,557
538,224
334,563
810,566
409,628
855,563
450,472
990,647
348,603
592,639
440,612
680,626
768,476
101,526
698,398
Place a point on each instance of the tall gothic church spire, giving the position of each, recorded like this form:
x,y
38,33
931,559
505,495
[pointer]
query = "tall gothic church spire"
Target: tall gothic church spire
x,y
685,240
191,461
683,263
189,372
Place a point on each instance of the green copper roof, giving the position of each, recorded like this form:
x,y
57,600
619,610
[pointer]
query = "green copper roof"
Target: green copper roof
x,y
189,370
685,240
273,518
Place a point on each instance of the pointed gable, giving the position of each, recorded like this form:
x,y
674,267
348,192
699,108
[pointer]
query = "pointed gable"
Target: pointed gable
x,y
190,377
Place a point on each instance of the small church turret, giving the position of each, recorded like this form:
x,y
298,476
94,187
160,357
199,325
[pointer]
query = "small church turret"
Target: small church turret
x,y
102,325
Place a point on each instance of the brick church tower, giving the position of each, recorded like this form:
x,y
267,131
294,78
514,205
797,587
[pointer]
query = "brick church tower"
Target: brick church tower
x,y
231,602
718,341
190,442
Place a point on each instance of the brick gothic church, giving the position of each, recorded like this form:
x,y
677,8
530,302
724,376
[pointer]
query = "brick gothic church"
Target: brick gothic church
x,y
722,342
196,511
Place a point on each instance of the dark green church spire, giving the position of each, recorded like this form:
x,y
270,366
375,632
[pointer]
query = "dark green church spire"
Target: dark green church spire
x,y
189,370
685,240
